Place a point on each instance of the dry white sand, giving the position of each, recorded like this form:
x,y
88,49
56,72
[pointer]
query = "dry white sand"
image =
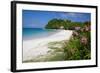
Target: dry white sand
x,y
37,47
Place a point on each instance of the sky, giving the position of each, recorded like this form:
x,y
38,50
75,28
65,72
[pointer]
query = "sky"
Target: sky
x,y
38,19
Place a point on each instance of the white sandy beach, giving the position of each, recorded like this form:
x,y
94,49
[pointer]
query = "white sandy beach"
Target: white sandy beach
x,y
36,47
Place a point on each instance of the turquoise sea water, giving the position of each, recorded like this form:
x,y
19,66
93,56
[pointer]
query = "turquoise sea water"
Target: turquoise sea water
x,y
33,33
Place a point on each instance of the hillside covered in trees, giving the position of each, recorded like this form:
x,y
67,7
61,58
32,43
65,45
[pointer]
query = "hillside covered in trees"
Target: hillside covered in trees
x,y
60,23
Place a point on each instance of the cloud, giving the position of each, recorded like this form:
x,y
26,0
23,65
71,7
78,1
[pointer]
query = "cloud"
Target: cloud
x,y
72,15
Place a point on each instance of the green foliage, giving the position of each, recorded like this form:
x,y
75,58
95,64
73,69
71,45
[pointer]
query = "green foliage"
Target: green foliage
x,y
66,24
75,50
55,24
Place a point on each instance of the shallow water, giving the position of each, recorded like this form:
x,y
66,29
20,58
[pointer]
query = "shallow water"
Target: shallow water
x,y
34,33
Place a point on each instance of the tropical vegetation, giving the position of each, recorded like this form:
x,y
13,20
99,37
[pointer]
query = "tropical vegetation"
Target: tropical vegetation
x,y
79,45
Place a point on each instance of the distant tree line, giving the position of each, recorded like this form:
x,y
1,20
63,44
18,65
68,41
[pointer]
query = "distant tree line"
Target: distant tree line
x,y
65,24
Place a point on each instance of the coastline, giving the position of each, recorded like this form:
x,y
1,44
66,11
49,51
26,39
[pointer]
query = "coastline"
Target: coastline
x,y
37,47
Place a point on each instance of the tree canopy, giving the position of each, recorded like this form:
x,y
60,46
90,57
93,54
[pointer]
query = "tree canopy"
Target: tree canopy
x,y
66,24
